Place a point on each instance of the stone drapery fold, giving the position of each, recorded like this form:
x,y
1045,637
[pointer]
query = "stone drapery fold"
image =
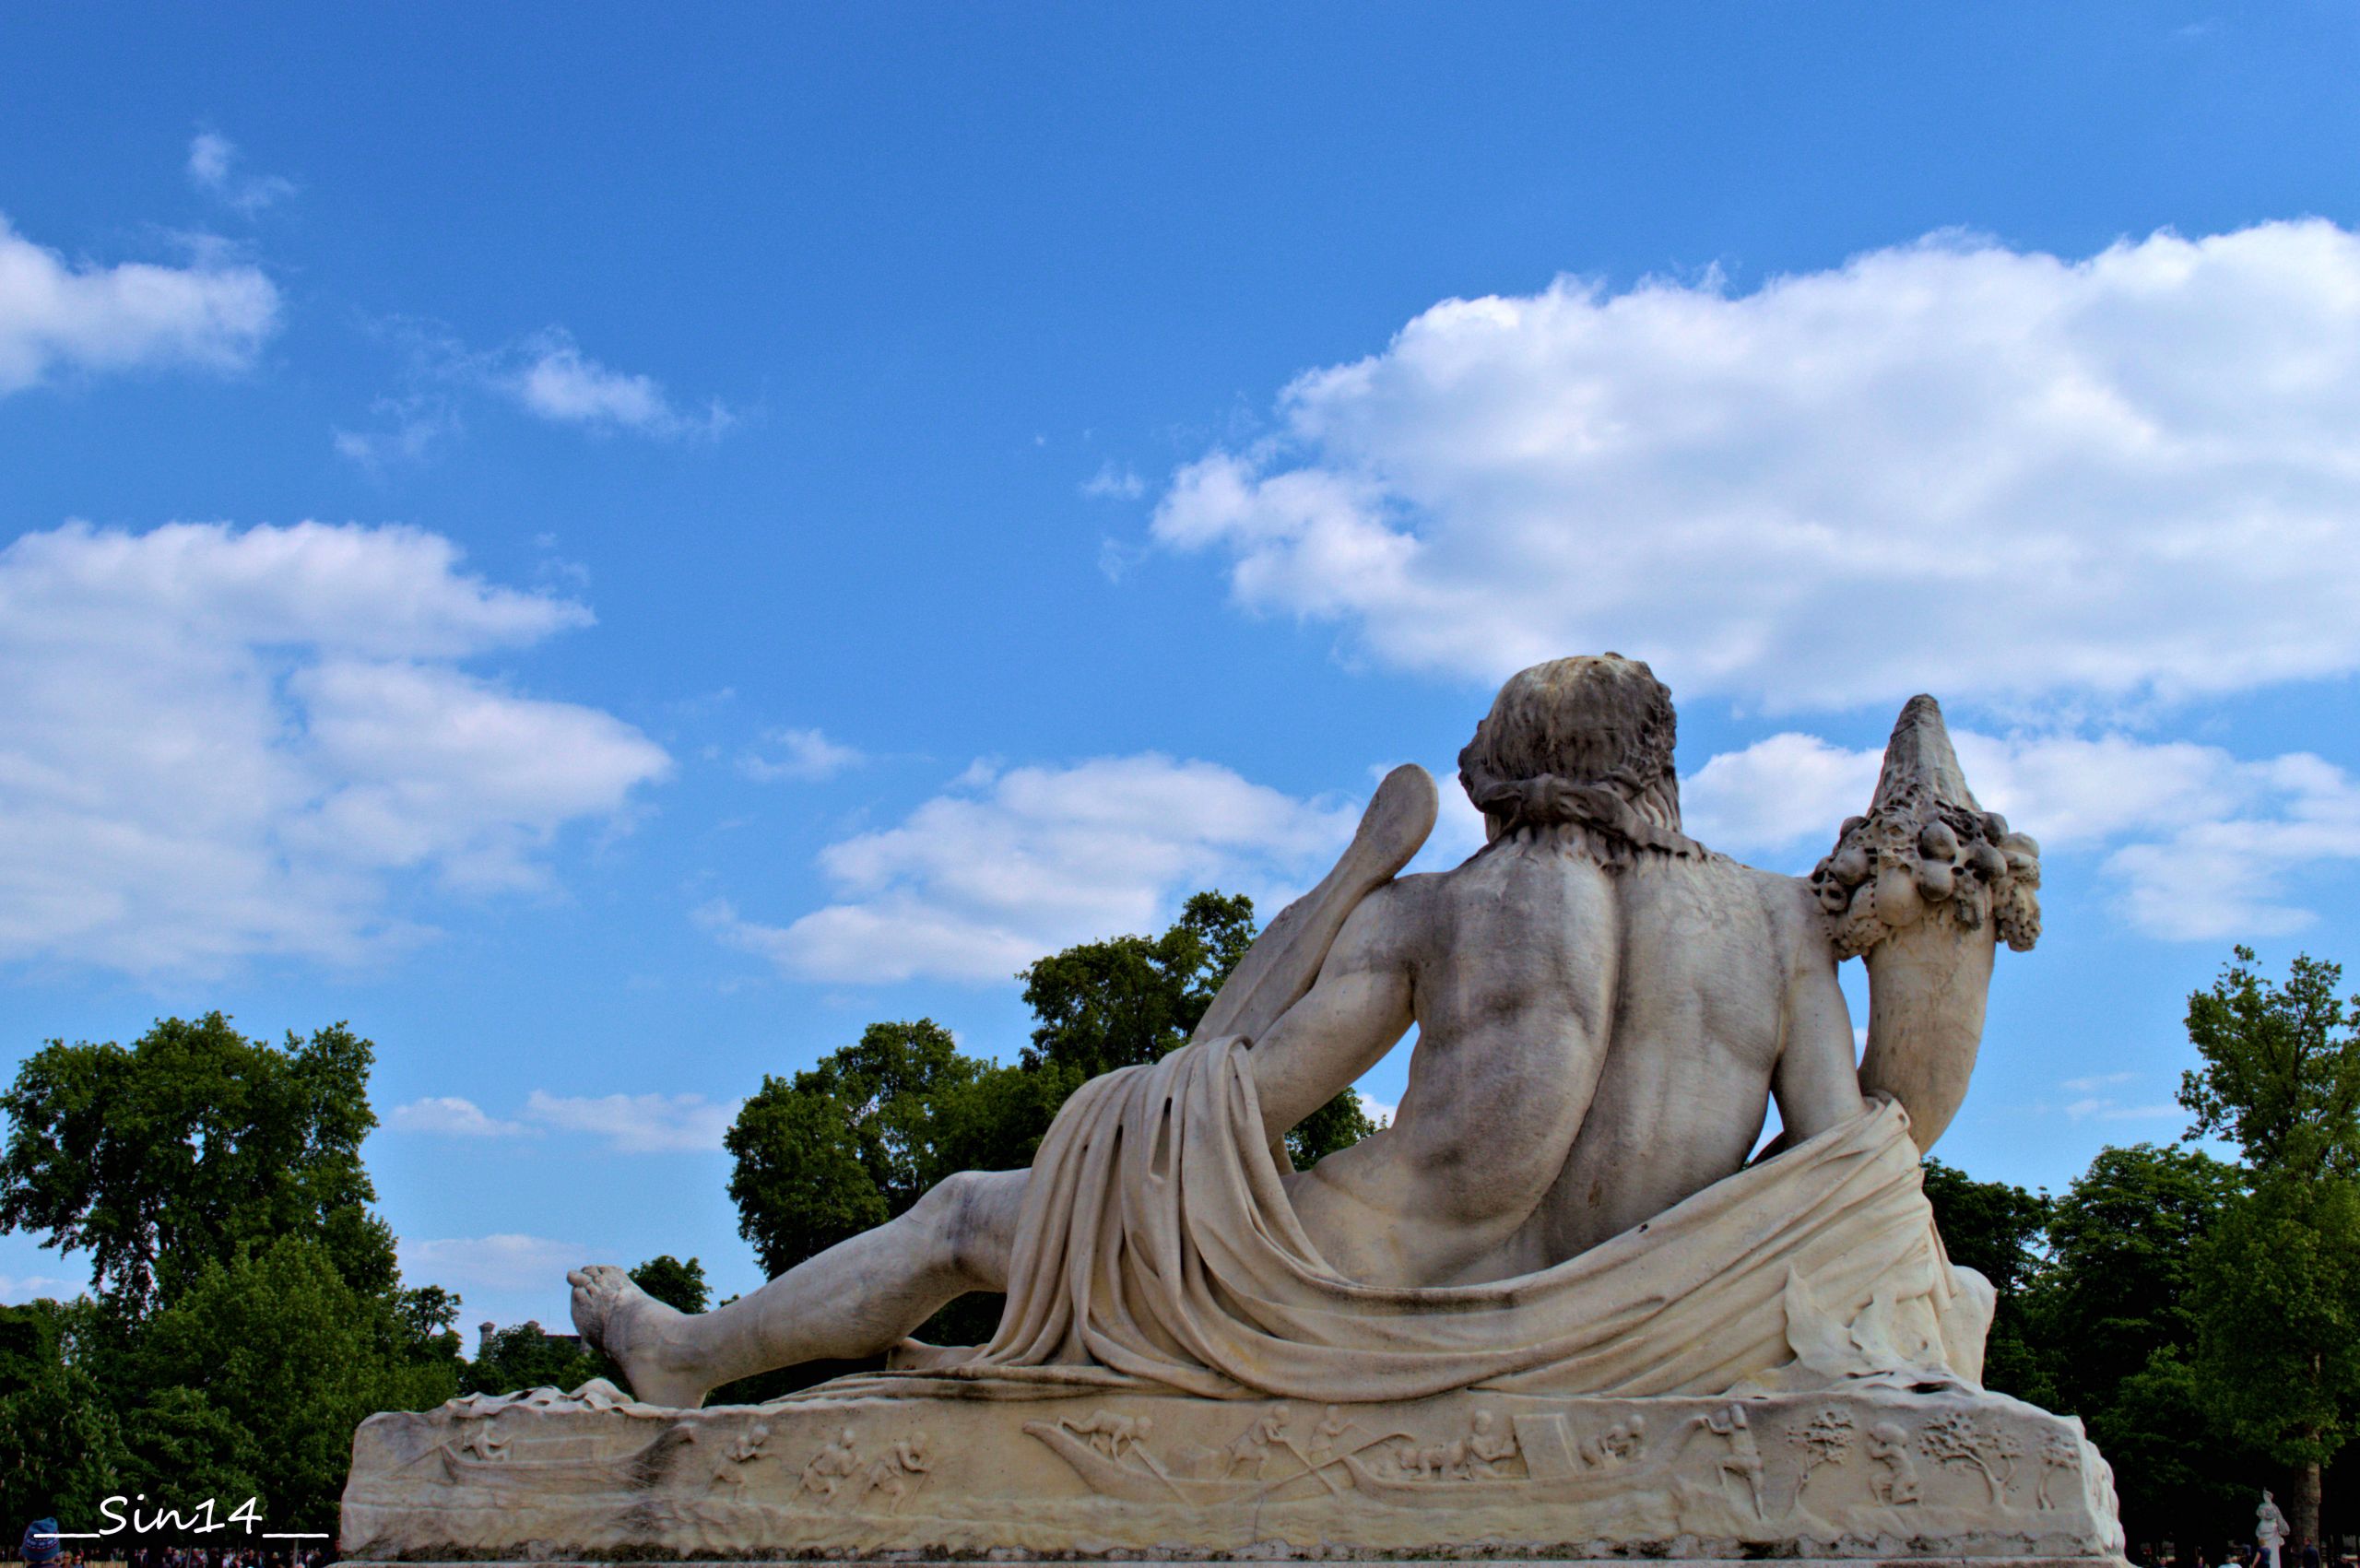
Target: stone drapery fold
x,y
1157,1242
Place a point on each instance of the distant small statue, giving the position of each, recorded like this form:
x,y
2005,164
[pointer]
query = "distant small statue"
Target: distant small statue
x,y
2268,1532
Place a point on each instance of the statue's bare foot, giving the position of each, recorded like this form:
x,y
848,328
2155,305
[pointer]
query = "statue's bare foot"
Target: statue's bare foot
x,y
638,1334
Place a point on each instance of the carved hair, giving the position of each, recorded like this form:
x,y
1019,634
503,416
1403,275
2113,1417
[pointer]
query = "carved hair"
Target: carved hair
x,y
1583,740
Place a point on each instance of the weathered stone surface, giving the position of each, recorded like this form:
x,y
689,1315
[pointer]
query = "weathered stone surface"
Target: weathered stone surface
x,y
1867,1473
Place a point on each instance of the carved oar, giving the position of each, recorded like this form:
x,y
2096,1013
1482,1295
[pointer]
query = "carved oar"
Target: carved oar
x,y
1921,889
1285,959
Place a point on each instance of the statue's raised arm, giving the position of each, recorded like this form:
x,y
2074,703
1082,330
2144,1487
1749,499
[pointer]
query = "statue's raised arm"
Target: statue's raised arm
x,y
1923,890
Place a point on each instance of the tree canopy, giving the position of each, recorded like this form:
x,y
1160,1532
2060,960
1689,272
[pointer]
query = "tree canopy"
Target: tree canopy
x,y
2278,1329
160,1159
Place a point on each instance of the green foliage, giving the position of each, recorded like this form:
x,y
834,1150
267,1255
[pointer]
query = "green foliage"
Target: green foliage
x,y
2278,1334
1995,1229
1339,1124
1129,1000
2276,1359
249,1312
61,1442
674,1283
2113,1318
277,1345
168,1157
524,1355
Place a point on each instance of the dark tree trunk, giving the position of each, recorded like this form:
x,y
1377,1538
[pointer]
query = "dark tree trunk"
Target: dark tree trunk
x,y
2304,1517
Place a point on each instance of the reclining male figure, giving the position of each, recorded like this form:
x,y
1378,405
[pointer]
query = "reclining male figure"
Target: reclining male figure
x,y
1604,1010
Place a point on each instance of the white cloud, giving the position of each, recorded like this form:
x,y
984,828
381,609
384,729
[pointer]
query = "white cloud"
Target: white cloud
x,y
450,1118
1944,466
414,426
212,168
2197,844
491,1263
629,1124
1010,866
54,316
17,1290
639,1124
2095,1082
556,381
1115,482
805,755
216,743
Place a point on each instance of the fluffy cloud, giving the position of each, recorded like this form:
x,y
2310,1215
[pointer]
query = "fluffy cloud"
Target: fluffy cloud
x,y
450,1116
2197,844
491,1263
630,1124
639,1124
555,380
980,881
216,744
804,755
53,315
212,168
1949,466
17,1290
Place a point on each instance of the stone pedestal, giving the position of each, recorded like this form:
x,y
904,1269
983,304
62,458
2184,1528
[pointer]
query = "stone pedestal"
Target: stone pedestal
x,y
1863,1472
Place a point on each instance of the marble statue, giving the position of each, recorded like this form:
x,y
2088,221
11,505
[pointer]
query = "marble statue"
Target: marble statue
x,y
2270,1531
1564,1302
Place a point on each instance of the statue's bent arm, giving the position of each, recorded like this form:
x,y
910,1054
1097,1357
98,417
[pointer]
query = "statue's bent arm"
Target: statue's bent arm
x,y
1816,1083
1356,1012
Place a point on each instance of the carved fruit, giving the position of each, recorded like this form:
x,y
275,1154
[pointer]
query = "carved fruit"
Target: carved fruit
x,y
1851,825
1934,880
1834,895
1898,903
1995,825
1988,862
1849,865
1936,841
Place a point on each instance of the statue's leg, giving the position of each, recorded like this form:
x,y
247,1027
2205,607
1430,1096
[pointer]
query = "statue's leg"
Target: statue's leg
x,y
858,1298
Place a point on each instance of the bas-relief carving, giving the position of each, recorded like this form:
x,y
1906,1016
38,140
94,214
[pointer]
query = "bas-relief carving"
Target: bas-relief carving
x,y
1676,1343
1858,1472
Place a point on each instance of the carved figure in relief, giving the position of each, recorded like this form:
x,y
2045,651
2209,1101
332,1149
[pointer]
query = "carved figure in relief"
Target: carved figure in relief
x,y
2059,1454
1251,1452
748,1445
480,1443
835,1463
1895,1484
1328,1437
1621,1442
1604,1011
1744,1459
890,1473
1110,1435
1488,1448
1825,1441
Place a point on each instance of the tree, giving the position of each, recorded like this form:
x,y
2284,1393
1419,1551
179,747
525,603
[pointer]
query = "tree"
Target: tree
x,y
2278,1353
1129,1000
166,1158
674,1283
1995,1229
61,1440
524,1355
2113,1319
282,1347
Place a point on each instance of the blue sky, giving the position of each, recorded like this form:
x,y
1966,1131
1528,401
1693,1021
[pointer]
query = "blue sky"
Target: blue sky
x,y
610,549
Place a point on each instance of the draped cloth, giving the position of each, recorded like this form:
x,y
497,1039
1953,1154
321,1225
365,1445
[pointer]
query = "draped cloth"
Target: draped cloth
x,y
1157,1243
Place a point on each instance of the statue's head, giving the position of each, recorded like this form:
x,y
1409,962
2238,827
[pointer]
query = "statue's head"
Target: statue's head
x,y
1603,721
